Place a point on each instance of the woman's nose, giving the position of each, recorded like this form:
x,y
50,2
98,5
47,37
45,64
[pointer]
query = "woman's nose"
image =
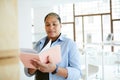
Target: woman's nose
x,y
51,26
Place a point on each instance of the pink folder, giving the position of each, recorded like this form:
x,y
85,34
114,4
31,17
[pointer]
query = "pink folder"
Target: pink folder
x,y
26,55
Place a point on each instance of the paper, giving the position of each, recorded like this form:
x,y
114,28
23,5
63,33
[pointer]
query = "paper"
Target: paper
x,y
26,59
26,55
53,52
47,46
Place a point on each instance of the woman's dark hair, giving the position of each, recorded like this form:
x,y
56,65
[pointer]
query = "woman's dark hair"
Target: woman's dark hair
x,y
53,14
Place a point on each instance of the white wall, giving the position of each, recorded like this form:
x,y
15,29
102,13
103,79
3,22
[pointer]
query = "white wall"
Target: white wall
x,y
25,35
24,23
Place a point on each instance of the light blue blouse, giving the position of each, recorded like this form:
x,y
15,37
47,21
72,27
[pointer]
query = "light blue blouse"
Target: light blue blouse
x,y
70,58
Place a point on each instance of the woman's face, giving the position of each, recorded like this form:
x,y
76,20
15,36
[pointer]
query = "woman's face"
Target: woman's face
x,y
52,27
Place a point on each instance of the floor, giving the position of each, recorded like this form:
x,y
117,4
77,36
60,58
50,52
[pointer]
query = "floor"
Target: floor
x,y
110,73
110,70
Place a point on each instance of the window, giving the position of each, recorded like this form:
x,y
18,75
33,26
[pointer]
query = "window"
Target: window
x,y
93,7
67,30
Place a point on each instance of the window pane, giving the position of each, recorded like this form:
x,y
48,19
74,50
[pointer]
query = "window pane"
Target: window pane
x,y
92,26
106,30
106,26
98,6
116,33
65,11
116,9
79,32
67,30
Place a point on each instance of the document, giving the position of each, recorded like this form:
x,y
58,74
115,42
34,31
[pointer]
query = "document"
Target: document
x,y
54,52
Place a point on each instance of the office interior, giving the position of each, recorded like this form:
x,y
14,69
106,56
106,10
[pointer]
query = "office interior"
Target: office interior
x,y
92,24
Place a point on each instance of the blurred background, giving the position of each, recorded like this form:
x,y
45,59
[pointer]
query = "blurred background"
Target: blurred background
x,y
92,24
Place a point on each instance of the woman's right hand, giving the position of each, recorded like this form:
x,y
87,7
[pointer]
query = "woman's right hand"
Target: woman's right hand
x,y
31,70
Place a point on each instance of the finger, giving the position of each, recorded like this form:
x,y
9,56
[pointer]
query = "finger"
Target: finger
x,y
50,59
34,63
39,68
38,64
37,60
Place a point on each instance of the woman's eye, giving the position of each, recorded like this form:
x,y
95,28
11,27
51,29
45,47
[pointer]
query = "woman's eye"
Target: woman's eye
x,y
51,24
54,24
47,25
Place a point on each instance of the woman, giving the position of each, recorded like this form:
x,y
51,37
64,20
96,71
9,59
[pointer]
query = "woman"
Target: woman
x,y
69,67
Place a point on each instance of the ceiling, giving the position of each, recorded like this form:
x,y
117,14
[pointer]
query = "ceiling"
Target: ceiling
x,y
37,3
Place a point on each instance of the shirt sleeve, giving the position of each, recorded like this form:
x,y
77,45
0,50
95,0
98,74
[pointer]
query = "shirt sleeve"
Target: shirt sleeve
x,y
74,68
26,72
